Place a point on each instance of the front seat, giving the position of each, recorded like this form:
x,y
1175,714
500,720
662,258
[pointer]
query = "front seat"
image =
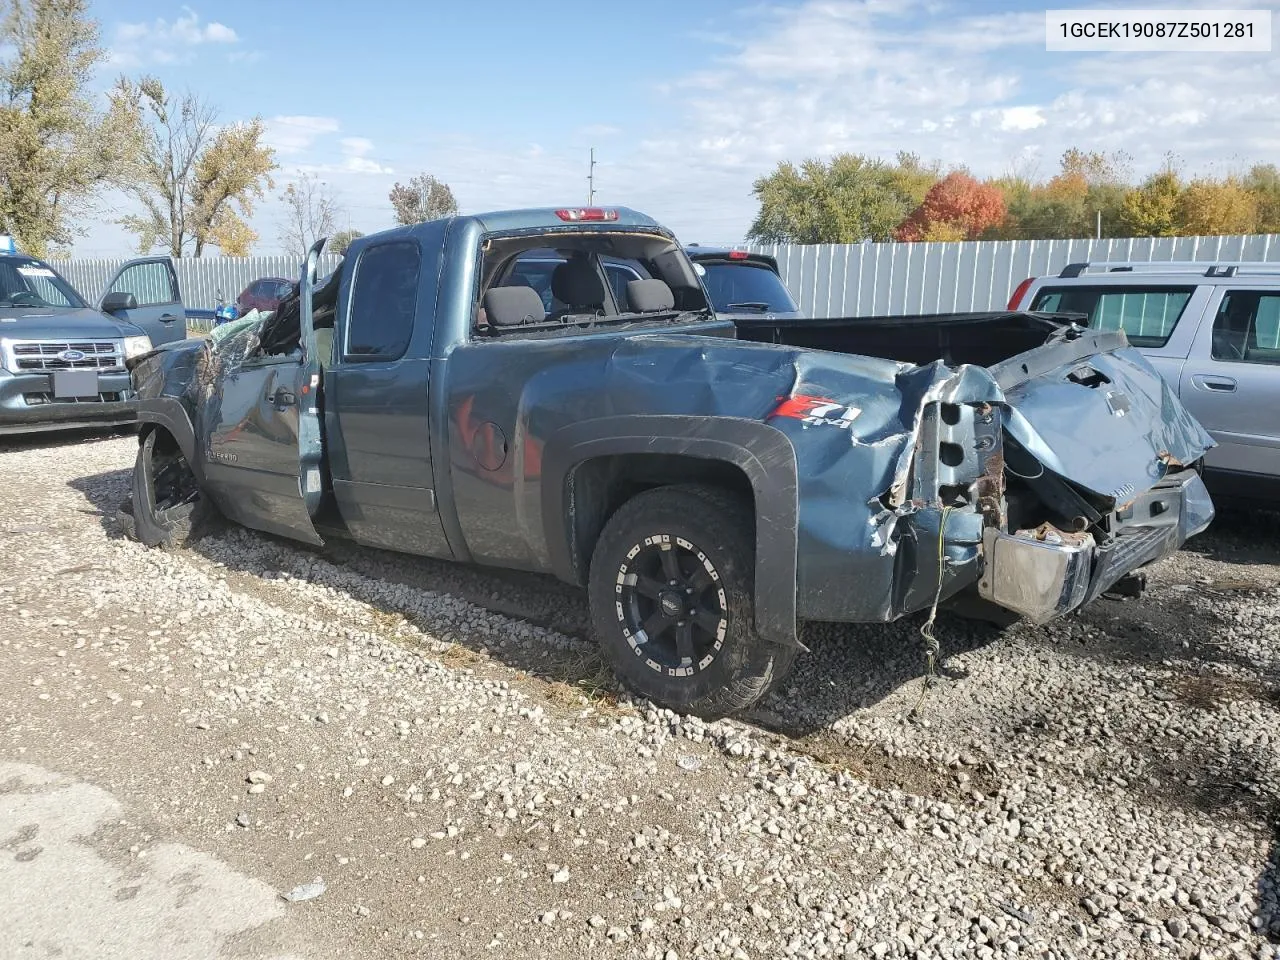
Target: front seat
x,y
577,285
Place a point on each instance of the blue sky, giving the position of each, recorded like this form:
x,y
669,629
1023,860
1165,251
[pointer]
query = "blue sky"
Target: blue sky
x,y
686,104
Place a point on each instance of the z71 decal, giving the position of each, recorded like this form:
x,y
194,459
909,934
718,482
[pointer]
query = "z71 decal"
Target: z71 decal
x,y
815,410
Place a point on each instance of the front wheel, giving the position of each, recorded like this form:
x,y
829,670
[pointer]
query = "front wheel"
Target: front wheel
x,y
167,507
672,602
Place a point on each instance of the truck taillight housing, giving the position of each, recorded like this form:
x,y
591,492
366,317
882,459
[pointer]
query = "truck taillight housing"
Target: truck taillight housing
x,y
587,214
1019,292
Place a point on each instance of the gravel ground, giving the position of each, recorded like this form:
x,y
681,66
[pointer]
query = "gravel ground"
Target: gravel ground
x,y
444,747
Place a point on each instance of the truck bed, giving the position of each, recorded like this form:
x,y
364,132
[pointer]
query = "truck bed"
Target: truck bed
x,y
984,339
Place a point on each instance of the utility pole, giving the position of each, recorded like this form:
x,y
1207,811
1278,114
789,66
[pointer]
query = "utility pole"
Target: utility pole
x,y
591,179
1099,224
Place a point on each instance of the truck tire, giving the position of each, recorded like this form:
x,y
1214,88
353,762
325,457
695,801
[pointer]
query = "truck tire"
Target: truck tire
x,y
178,513
671,588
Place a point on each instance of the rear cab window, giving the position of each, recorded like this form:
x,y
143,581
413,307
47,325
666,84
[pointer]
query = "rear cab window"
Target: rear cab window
x,y
739,286
384,302
1148,315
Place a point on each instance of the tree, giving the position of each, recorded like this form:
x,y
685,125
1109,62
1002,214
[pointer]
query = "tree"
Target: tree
x,y
1088,184
1263,182
956,207
231,235
423,198
339,242
173,132
846,200
310,213
1151,210
1215,207
191,176
57,149
231,174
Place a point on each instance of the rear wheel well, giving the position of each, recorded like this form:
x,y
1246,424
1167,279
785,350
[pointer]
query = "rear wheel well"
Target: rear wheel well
x,y
597,487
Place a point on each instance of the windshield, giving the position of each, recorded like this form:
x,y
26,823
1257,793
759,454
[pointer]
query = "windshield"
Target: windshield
x,y
745,287
29,283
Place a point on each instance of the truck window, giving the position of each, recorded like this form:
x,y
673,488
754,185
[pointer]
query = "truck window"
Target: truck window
x,y
384,300
1147,315
1247,328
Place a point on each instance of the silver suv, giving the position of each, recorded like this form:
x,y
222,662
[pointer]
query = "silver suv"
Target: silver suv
x,y
1213,332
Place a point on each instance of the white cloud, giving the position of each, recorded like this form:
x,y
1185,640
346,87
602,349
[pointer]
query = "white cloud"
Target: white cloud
x,y
165,41
297,134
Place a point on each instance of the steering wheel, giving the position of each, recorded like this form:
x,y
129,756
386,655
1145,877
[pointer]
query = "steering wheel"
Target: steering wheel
x,y
25,298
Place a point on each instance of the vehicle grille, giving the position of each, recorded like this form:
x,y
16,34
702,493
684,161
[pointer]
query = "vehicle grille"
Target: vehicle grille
x,y
50,355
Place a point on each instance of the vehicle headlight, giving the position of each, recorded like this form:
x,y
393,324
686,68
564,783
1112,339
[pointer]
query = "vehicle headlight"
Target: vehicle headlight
x,y
136,347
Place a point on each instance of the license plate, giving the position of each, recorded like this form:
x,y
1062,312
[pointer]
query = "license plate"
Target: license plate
x,y
75,383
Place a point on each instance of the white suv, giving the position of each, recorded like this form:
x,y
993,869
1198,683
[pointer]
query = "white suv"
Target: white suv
x,y
1213,332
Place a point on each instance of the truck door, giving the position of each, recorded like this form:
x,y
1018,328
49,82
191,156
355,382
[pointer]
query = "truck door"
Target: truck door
x,y
154,285
377,400
265,458
1231,382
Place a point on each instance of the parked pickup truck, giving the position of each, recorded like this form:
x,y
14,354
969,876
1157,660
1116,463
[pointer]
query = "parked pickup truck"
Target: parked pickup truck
x,y
1213,331
62,362
712,485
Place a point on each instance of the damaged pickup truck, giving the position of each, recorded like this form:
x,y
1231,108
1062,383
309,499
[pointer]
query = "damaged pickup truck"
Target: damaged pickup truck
x,y
710,484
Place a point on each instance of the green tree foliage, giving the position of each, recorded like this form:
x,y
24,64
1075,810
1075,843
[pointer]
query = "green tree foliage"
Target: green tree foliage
x,y
1213,207
1068,204
422,198
846,200
193,178
1263,182
339,242
850,198
1151,210
57,149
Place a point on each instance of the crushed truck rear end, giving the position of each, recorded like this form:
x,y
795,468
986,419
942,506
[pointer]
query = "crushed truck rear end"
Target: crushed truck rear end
x,y
1036,485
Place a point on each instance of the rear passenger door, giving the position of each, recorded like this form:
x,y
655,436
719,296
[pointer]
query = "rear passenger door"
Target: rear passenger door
x,y
1231,383
377,403
154,285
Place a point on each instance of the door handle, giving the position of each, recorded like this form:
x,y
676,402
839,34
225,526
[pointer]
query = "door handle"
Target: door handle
x,y
283,398
1217,384
168,317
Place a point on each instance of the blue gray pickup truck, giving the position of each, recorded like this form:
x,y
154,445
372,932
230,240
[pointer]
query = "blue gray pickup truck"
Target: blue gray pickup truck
x,y
711,483
62,362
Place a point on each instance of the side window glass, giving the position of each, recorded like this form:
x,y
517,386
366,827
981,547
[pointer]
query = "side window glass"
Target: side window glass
x,y
1247,328
384,301
150,283
1147,315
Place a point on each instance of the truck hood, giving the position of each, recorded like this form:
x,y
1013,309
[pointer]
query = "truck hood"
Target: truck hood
x,y
36,323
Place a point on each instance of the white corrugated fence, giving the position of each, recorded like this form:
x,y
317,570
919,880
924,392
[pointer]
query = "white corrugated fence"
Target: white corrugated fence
x,y
828,280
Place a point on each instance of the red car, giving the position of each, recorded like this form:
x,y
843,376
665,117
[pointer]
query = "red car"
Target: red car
x,y
264,293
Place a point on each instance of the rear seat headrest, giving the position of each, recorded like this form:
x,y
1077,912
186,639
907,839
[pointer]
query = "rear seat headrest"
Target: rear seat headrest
x,y
513,306
650,296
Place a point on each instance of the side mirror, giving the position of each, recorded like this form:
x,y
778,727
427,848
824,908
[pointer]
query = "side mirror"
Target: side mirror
x,y
118,301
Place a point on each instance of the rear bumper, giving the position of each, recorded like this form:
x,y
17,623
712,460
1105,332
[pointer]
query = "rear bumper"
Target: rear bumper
x,y
27,404
1043,575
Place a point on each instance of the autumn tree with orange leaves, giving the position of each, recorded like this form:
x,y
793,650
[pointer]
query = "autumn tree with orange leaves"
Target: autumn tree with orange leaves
x,y
957,207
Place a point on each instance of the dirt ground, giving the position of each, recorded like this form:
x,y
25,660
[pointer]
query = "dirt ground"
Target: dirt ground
x,y
185,735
